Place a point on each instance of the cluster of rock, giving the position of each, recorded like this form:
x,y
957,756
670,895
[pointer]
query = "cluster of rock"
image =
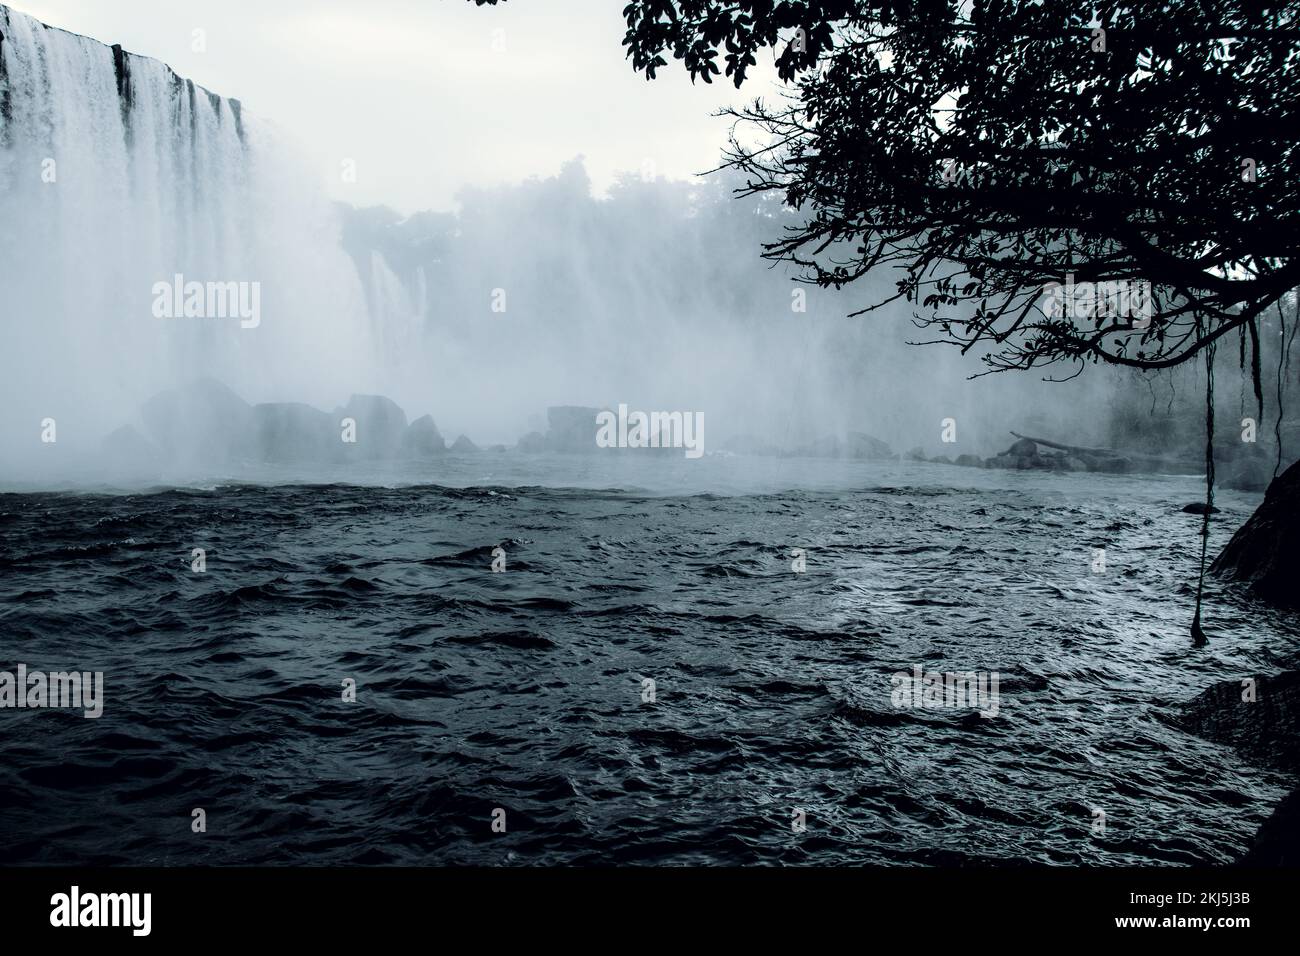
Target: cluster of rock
x,y
1240,466
207,422
570,429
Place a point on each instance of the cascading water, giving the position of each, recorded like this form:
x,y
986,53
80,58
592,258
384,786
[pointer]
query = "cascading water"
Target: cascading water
x,y
116,176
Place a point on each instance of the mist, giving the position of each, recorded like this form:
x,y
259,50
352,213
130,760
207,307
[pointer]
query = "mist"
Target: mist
x,y
119,179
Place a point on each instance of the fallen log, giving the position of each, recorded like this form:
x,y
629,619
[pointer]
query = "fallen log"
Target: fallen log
x,y
1143,462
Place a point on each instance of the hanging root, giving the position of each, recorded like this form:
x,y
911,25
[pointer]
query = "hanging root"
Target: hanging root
x,y
1198,635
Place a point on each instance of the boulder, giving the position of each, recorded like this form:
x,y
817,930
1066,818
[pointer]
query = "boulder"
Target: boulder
x,y
1265,551
380,427
463,445
421,439
1023,448
970,461
201,422
290,432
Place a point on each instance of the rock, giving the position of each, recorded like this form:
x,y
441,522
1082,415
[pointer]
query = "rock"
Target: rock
x,y
970,461
380,427
534,443
1198,508
1265,730
571,429
1023,448
421,439
1278,841
463,445
290,432
1265,551
202,422
916,454
941,460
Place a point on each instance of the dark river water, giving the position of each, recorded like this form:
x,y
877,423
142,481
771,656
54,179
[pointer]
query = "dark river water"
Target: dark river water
x,y
525,690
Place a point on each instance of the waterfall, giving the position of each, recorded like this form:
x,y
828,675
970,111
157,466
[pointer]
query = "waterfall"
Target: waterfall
x,y
116,177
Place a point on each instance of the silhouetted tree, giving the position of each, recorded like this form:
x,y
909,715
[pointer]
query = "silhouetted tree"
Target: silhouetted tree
x,y
988,149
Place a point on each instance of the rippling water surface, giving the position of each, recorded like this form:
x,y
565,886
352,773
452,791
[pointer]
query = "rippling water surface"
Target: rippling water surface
x,y
523,690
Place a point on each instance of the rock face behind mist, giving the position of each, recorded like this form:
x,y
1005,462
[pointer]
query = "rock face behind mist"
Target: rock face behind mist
x,y
380,427
463,446
571,429
293,433
1265,551
421,439
127,451
1243,466
203,422
207,423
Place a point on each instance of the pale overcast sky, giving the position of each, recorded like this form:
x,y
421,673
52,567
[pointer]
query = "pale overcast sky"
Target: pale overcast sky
x,y
415,93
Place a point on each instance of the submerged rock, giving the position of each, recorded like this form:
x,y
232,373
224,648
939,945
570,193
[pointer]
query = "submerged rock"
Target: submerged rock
x,y
1198,508
421,439
1265,551
1265,729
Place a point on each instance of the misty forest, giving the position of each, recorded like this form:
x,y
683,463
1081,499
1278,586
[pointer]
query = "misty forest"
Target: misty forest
x,y
914,485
